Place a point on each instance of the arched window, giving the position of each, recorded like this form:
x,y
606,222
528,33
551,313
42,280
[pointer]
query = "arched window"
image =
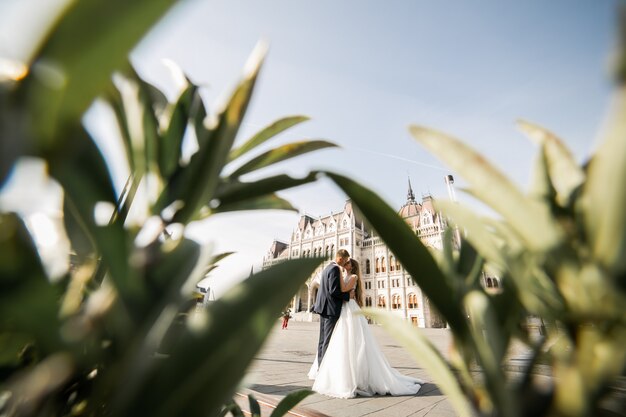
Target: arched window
x,y
381,302
327,252
367,266
383,265
308,253
395,302
368,301
489,284
392,263
412,301
495,283
332,251
377,265
397,265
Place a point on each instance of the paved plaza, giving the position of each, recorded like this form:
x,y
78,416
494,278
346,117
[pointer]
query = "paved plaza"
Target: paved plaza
x,y
282,365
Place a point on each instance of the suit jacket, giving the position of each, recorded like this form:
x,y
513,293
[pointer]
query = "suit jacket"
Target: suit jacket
x,y
329,296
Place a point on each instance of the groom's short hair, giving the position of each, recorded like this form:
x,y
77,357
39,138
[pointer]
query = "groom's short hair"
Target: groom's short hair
x,y
342,253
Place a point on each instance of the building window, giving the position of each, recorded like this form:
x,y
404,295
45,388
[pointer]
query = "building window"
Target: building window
x,y
495,283
344,224
392,263
395,302
489,284
368,301
367,266
332,251
397,264
327,252
383,265
412,300
377,265
381,302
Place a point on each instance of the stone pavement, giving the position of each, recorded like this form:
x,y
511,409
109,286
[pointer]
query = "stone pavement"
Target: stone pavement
x,y
282,365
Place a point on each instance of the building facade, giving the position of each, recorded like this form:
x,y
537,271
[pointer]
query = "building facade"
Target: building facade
x,y
387,284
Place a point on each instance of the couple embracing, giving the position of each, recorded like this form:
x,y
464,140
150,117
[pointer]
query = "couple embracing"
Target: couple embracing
x,y
349,361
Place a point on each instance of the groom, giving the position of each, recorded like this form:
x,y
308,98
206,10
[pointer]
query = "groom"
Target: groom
x,y
329,300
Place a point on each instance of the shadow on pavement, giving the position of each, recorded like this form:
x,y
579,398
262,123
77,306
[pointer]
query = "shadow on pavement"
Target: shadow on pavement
x,y
276,389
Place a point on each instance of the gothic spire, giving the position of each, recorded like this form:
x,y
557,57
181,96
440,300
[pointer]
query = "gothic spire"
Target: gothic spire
x,y
410,197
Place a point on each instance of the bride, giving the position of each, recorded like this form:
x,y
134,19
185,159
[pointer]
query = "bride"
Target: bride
x,y
354,364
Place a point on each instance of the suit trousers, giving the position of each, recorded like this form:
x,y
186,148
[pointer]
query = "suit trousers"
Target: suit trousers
x,y
327,325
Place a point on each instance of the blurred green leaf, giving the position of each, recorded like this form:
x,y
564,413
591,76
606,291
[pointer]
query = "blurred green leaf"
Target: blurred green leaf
x,y
407,247
170,148
28,302
232,192
565,174
529,218
473,229
202,363
267,202
290,401
606,223
426,355
197,182
282,153
255,409
268,132
83,43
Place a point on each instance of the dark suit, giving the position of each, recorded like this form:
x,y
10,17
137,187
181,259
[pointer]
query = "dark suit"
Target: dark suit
x,y
328,305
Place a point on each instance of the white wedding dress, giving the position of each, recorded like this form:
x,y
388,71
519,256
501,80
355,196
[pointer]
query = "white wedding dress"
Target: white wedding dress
x,y
354,364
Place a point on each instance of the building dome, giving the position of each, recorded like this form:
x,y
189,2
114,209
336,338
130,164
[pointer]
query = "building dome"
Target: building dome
x,y
410,209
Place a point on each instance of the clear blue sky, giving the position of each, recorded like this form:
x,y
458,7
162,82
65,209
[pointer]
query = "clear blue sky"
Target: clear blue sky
x,y
365,70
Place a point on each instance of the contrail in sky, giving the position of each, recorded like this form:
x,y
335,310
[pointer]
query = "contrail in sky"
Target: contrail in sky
x,y
388,155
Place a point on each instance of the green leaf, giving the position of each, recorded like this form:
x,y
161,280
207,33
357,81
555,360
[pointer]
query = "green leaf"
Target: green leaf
x,y
290,401
195,184
541,184
255,409
407,247
28,302
528,218
565,174
267,133
170,148
605,223
213,354
422,350
473,229
75,62
267,202
281,153
490,345
231,192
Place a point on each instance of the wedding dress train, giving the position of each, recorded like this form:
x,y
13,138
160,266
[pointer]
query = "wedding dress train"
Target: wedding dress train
x,y
354,364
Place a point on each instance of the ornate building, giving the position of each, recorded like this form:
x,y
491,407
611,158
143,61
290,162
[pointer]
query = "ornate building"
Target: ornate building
x,y
387,284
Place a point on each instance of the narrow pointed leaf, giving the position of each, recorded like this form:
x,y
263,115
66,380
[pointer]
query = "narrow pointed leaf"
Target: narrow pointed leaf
x,y
266,202
529,218
195,183
282,153
267,133
231,192
606,223
202,363
290,401
422,350
565,173
407,247
541,184
473,229
171,148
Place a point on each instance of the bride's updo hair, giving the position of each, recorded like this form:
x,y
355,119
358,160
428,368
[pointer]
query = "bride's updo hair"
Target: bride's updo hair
x,y
356,270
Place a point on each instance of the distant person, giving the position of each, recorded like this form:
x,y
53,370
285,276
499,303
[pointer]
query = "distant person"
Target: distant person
x,y
354,364
330,296
286,317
